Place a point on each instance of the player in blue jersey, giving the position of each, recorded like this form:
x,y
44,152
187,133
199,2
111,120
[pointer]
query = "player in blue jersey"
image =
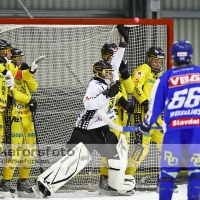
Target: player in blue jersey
x,y
177,92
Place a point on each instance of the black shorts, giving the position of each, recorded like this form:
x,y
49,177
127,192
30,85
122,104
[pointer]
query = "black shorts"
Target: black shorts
x,y
100,139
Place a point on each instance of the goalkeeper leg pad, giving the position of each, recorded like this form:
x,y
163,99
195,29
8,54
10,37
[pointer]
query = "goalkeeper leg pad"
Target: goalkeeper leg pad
x,y
62,171
116,174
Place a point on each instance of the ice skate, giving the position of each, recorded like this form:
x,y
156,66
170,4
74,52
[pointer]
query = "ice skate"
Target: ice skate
x,y
24,189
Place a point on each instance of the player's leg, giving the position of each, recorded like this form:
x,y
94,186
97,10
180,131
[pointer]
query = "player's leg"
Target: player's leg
x,y
2,128
141,148
76,158
68,166
138,154
103,183
13,138
170,166
193,164
27,158
117,161
157,137
116,174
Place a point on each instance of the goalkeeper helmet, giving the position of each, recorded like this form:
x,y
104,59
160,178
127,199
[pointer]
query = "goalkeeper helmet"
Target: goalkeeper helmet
x,y
182,51
103,70
155,55
107,51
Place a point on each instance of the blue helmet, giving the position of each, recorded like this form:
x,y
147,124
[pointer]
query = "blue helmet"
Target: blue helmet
x,y
182,51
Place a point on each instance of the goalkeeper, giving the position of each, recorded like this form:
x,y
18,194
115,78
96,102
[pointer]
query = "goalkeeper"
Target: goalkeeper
x,y
20,131
144,77
93,133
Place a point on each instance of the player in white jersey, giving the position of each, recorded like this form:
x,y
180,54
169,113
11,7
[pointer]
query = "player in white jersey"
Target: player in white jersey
x,y
92,133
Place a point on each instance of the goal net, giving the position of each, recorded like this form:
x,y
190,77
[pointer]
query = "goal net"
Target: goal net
x,y
71,51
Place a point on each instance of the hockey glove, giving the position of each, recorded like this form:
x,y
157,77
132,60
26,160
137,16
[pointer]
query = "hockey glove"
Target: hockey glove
x,y
33,105
146,105
112,90
123,69
24,66
123,33
36,63
143,128
9,79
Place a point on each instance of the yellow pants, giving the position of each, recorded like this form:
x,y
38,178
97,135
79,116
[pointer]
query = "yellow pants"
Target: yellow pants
x,y
21,149
140,151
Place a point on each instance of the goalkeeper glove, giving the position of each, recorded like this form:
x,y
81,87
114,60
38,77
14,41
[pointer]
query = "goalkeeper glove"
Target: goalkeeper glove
x,y
123,33
113,90
123,69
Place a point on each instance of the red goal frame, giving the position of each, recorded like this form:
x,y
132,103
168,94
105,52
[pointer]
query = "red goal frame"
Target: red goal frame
x,y
99,21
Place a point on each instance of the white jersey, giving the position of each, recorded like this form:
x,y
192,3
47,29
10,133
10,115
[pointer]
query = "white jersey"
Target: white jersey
x,y
93,100
116,61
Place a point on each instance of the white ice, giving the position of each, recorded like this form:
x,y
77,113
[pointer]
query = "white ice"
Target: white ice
x,y
181,195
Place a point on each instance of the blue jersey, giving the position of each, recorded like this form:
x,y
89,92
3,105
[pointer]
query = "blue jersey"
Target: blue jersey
x,y
177,93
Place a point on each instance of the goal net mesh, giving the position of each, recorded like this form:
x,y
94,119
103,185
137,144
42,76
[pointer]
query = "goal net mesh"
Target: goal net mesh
x,y
70,52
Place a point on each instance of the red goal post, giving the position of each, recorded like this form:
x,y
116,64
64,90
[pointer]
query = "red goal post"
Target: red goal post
x,y
71,47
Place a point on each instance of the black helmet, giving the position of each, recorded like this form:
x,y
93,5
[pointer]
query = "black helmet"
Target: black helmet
x,y
154,52
6,44
101,67
16,53
2,51
107,51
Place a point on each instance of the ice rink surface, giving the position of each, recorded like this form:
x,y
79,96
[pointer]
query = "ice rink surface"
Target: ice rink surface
x,y
181,195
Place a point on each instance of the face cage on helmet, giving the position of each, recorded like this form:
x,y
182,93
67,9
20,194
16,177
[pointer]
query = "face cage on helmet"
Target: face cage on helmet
x,y
17,59
102,74
107,57
147,60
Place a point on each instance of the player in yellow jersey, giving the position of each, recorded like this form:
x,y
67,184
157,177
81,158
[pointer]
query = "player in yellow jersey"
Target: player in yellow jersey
x,y
113,54
20,132
6,81
144,77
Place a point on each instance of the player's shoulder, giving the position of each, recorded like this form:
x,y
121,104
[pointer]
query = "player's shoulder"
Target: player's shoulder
x,y
141,70
11,65
96,83
191,69
143,67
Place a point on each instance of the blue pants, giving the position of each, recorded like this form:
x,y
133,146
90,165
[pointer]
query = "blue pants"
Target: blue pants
x,y
179,145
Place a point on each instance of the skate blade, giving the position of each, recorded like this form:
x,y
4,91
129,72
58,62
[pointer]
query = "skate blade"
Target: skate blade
x,y
114,193
26,195
108,192
37,192
174,191
6,195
